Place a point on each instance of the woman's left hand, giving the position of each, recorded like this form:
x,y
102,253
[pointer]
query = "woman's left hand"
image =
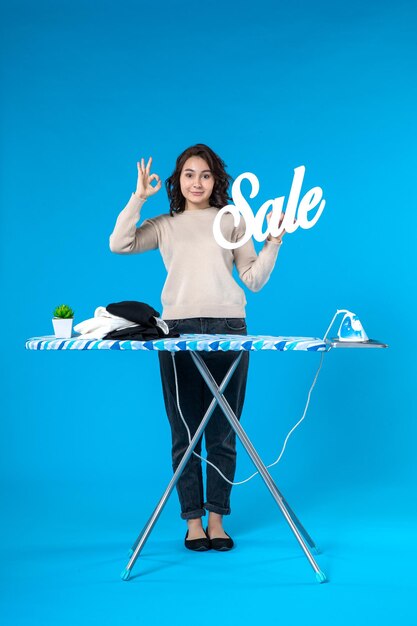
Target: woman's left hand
x,y
276,239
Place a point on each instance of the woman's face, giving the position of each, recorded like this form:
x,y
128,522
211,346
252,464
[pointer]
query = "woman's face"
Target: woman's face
x,y
197,182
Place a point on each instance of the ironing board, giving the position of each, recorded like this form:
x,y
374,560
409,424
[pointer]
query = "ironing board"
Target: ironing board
x,y
196,343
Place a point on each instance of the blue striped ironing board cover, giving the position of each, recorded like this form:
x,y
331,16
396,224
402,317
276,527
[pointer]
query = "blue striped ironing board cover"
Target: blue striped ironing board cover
x,y
196,342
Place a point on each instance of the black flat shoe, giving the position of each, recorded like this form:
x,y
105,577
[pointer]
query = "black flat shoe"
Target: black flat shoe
x,y
220,543
199,545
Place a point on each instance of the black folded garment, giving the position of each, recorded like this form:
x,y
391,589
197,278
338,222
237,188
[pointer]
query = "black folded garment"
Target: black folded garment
x,y
140,333
134,311
143,315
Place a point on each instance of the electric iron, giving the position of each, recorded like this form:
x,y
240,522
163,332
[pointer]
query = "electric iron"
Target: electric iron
x,y
350,328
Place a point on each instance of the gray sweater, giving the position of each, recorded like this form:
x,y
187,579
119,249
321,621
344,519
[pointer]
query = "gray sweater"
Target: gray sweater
x,y
200,281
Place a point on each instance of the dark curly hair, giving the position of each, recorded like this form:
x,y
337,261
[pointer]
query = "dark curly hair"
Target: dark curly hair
x,y
219,197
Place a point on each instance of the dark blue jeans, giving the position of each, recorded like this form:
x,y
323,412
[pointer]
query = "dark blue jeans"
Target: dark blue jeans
x,y
194,399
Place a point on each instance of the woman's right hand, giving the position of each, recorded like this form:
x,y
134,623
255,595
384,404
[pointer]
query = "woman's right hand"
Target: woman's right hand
x,y
144,189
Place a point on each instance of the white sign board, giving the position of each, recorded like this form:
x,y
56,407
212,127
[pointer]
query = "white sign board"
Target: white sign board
x,y
254,223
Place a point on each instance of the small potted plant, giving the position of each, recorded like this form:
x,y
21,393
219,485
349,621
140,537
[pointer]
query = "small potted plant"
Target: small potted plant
x,y
63,317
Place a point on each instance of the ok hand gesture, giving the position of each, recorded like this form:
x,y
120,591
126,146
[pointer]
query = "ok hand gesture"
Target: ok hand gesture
x,y
144,189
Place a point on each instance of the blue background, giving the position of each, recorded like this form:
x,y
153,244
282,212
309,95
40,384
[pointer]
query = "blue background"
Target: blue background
x,y
88,89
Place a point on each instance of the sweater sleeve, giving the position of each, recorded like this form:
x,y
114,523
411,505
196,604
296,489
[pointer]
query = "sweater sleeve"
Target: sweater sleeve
x,y
126,238
254,270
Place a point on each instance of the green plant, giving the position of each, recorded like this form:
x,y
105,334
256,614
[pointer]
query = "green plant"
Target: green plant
x,y
64,311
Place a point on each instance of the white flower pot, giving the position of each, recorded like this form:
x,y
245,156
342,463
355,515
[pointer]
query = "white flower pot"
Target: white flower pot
x,y
62,327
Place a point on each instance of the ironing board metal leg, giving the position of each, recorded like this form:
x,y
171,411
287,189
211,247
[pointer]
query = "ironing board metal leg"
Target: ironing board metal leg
x,y
295,519
297,522
234,422
146,531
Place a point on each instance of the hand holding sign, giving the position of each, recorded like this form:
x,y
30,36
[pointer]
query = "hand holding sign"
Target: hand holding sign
x,y
275,239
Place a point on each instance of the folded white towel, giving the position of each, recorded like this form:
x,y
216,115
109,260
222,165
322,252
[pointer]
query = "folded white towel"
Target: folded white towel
x,y
102,323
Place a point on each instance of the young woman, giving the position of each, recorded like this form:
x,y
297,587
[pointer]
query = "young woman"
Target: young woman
x,y
200,295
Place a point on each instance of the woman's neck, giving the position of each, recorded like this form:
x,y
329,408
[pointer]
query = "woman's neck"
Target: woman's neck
x,y
207,207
